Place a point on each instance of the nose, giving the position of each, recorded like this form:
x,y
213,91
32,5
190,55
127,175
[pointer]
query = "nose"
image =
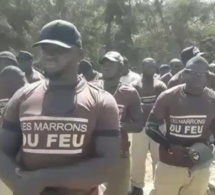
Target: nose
x,y
48,57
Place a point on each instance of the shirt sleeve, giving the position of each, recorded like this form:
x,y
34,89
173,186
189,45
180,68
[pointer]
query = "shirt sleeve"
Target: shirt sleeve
x,y
11,114
108,116
172,83
159,110
135,108
162,87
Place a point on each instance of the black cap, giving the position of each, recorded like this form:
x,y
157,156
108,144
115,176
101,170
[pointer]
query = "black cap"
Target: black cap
x,y
113,56
12,71
8,55
85,66
25,55
61,33
197,61
189,53
164,66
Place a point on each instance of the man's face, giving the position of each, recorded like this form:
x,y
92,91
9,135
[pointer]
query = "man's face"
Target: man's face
x,y
149,68
57,60
196,77
24,64
109,69
176,67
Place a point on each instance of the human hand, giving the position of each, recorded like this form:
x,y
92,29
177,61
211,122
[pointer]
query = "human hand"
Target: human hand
x,y
28,184
178,150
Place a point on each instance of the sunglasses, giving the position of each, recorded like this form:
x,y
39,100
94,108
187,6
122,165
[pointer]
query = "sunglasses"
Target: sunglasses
x,y
53,51
197,73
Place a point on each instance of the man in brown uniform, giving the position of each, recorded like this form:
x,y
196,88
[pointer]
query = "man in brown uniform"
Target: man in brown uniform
x,y
87,71
186,55
11,79
164,69
130,112
66,130
189,112
25,61
148,88
175,66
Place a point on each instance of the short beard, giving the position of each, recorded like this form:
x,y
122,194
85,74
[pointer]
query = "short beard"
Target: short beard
x,y
56,75
52,76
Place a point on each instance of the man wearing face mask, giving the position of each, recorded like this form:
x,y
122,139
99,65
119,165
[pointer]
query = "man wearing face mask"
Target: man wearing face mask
x,y
130,113
185,154
25,63
67,131
175,66
148,88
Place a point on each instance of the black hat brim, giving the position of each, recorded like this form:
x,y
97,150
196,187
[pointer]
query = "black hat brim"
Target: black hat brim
x,y
53,42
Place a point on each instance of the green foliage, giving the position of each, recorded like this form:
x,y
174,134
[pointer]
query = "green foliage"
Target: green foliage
x,y
136,28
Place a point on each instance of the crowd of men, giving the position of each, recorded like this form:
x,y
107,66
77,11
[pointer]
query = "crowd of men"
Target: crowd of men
x,y
71,130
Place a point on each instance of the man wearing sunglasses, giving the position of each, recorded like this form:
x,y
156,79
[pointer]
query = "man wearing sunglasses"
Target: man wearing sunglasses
x,y
185,152
66,130
175,66
186,55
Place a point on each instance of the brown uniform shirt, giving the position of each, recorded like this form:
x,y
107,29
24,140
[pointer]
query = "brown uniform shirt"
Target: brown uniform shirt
x,y
59,124
177,79
34,77
11,79
148,94
189,119
166,78
127,99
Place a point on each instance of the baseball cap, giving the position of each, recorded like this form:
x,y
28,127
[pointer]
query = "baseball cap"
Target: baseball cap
x,y
85,66
113,56
61,33
197,60
8,55
189,53
25,55
201,155
164,66
12,71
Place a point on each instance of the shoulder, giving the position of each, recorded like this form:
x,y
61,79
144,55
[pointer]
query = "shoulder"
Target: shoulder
x,y
137,83
100,95
134,74
176,79
158,83
172,92
211,76
128,91
177,75
29,87
166,76
209,93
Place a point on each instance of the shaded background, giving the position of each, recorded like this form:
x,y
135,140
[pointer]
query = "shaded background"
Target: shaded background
x,y
136,28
